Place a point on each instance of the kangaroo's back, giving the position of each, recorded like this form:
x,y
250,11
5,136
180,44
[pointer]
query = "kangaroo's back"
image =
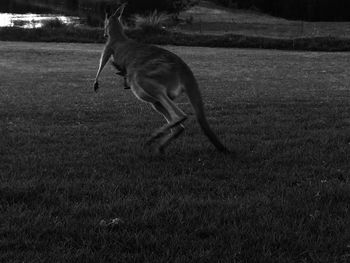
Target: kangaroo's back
x,y
138,56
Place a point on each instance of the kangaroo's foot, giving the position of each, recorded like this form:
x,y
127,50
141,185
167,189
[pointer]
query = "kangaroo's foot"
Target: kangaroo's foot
x,y
96,87
164,130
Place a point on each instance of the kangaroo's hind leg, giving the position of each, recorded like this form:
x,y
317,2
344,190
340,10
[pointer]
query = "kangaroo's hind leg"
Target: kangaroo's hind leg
x,y
153,92
175,117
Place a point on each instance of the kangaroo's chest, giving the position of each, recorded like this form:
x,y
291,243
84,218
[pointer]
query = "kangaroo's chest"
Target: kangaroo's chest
x,y
118,63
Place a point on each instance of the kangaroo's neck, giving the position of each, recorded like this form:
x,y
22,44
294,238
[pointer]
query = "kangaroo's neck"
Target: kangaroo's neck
x,y
117,37
117,44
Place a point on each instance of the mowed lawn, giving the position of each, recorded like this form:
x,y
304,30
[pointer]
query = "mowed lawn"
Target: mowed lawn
x,y
70,158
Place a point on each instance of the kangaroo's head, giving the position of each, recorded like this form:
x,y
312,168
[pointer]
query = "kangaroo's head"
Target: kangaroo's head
x,y
113,28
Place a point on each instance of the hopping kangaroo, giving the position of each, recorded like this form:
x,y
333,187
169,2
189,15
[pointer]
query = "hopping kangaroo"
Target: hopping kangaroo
x,y
156,76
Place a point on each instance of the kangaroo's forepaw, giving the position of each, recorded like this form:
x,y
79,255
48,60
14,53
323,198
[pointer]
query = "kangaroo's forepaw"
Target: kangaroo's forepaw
x,y
96,87
120,73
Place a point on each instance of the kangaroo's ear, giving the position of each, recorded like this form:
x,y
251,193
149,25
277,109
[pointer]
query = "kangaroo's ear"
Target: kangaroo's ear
x,y
119,11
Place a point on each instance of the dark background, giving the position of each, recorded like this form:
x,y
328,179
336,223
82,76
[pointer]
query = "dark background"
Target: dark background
x,y
308,10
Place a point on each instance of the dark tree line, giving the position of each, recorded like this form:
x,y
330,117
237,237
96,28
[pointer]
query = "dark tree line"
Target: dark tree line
x,y
170,6
93,10
312,10
134,6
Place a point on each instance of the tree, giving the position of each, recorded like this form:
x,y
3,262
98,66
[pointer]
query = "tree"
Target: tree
x,y
312,10
170,6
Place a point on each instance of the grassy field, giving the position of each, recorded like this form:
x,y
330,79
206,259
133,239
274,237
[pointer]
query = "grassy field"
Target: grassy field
x,y
70,158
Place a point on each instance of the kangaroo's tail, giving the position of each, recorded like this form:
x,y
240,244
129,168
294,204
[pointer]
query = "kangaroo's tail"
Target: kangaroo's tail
x,y
195,98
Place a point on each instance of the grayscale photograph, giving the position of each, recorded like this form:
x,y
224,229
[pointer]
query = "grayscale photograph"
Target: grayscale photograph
x,y
175,131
